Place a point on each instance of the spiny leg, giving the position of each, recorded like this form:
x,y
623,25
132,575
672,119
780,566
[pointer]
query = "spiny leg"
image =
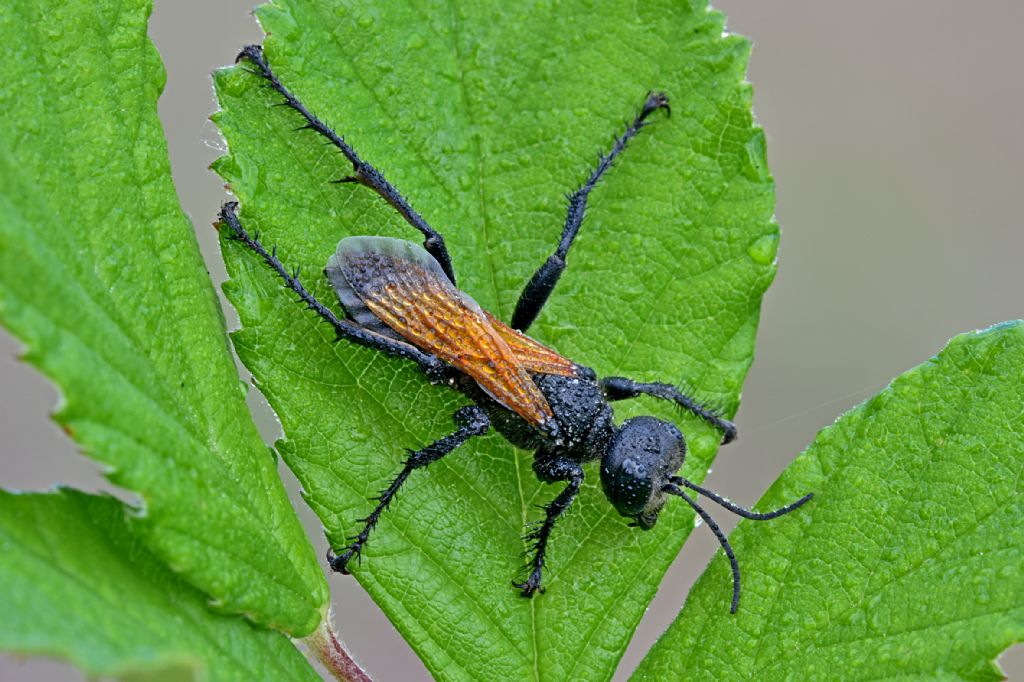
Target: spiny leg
x,y
621,388
345,329
472,422
550,470
538,289
362,172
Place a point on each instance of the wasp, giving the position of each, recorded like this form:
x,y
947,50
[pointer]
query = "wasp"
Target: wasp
x,y
401,298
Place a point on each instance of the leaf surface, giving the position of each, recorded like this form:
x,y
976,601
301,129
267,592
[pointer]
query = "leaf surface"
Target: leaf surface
x,y
101,278
908,563
77,584
484,115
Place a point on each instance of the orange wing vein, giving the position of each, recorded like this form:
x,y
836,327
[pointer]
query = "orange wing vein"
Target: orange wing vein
x,y
405,288
533,355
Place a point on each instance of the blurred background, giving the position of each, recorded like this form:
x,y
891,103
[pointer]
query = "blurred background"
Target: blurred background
x,y
895,139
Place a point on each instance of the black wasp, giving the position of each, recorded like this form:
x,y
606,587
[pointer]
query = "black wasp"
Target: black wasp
x,y
401,298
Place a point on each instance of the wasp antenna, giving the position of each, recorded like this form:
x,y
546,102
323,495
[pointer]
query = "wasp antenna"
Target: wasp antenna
x,y
722,540
735,508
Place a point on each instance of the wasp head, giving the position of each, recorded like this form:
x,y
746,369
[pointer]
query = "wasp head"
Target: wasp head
x,y
644,454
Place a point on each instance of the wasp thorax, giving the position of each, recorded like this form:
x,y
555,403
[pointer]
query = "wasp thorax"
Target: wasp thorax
x,y
643,455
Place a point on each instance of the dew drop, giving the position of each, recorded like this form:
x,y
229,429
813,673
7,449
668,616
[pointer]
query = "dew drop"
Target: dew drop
x,y
764,249
232,81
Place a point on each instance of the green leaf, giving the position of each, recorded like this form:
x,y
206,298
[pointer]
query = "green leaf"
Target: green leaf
x,y
907,564
484,115
101,277
77,584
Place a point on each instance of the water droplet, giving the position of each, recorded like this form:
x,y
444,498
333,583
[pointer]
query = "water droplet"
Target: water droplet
x,y
232,81
878,621
704,444
764,249
415,42
697,521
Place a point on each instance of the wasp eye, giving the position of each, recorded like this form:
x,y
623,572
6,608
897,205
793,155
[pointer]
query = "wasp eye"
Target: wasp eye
x,y
643,455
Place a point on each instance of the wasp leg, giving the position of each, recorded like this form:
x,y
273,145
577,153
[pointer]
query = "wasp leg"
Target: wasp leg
x,y
472,422
538,289
621,388
434,367
362,172
549,470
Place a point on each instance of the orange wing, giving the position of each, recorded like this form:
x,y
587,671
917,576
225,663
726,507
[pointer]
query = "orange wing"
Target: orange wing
x,y
534,356
397,283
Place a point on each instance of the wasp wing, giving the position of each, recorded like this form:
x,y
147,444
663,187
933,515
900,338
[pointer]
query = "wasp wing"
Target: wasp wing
x,y
395,287
533,355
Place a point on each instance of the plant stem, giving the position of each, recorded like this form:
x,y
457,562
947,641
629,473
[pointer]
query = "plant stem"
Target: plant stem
x,y
331,653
